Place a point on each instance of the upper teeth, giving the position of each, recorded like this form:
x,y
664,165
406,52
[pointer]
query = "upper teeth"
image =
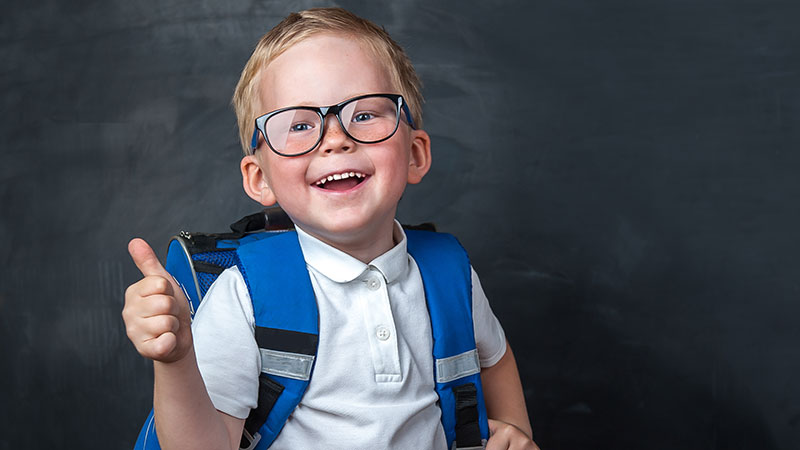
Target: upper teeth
x,y
340,176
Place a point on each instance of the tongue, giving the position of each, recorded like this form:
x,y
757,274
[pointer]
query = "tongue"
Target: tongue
x,y
341,185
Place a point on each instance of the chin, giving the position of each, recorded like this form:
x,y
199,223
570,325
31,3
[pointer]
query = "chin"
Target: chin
x,y
347,227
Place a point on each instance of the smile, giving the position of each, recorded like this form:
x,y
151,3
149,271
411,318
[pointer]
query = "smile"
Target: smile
x,y
340,181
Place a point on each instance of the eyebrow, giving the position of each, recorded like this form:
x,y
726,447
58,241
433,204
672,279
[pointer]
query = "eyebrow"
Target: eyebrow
x,y
315,105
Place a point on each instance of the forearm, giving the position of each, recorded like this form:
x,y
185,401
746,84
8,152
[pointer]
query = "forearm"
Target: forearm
x,y
503,394
184,414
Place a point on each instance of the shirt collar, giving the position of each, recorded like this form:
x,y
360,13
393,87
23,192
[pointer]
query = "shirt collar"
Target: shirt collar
x,y
340,267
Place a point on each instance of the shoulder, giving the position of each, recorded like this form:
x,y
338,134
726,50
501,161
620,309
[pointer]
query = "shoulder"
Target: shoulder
x,y
431,237
433,246
230,279
228,298
268,242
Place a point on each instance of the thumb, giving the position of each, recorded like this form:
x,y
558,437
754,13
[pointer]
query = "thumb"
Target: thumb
x,y
145,259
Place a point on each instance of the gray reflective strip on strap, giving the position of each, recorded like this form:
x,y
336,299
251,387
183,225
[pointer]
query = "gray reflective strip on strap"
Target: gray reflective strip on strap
x,y
285,364
455,367
482,447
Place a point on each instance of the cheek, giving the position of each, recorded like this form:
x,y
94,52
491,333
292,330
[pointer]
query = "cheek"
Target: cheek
x,y
397,155
285,174
397,165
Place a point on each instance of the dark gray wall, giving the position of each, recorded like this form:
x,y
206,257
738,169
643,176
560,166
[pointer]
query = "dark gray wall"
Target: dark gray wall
x,y
624,174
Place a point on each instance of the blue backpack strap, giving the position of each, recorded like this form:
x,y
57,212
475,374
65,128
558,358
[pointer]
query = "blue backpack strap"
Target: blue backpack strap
x,y
287,331
446,275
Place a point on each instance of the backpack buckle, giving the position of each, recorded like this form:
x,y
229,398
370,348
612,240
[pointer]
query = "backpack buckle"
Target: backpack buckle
x,y
249,440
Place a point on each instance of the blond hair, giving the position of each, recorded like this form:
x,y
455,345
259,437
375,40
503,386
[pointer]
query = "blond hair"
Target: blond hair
x,y
301,25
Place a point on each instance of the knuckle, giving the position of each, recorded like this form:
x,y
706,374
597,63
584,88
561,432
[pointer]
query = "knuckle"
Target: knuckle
x,y
167,323
513,435
155,325
167,304
155,284
162,347
174,324
158,348
158,304
160,283
130,331
132,292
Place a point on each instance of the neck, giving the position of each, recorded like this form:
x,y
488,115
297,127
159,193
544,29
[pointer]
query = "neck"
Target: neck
x,y
364,245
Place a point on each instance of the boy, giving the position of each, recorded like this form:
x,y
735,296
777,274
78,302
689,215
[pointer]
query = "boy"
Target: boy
x,y
339,173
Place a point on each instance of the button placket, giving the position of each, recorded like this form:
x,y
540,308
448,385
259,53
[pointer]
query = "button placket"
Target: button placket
x,y
380,323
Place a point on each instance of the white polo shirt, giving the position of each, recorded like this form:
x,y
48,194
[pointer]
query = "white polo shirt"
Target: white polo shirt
x,y
373,382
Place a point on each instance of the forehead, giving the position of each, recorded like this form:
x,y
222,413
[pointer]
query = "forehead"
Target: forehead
x,y
323,69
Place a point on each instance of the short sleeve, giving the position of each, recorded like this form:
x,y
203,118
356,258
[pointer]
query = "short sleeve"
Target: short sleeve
x,y
489,335
225,346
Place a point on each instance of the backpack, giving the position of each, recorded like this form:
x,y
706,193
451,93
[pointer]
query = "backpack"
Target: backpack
x,y
287,337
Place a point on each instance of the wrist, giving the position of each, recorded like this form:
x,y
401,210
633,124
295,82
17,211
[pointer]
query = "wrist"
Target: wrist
x,y
185,362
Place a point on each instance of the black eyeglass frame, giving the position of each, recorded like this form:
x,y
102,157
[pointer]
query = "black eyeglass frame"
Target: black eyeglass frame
x,y
322,112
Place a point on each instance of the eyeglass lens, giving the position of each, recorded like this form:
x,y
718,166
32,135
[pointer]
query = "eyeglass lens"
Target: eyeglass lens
x,y
296,131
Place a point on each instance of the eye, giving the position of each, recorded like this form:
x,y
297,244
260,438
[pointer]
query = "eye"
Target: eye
x,y
298,127
363,117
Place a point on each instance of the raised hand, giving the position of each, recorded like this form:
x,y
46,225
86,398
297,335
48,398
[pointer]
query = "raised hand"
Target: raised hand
x,y
156,312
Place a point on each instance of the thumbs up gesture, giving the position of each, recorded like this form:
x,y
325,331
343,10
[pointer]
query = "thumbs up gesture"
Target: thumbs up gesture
x,y
156,312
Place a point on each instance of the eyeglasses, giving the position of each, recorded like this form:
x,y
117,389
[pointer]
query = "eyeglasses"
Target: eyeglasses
x,y
297,130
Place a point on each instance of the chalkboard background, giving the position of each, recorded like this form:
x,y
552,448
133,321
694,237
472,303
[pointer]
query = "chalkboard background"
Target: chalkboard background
x,y
623,173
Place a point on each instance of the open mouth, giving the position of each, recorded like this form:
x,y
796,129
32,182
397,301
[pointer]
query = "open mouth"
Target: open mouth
x,y
341,181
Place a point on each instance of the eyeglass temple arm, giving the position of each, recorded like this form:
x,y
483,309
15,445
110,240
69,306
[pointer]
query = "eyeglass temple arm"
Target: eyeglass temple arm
x,y
408,115
254,140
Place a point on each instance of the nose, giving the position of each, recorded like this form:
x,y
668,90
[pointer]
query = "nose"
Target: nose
x,y
334,138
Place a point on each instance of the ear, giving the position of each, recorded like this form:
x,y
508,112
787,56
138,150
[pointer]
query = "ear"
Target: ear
x,y
255,181
420,158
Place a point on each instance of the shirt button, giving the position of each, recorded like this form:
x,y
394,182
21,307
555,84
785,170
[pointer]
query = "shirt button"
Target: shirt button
x,y
373,284
383,333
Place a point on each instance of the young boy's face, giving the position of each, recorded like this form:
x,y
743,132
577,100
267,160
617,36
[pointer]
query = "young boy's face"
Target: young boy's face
x,y
324,70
